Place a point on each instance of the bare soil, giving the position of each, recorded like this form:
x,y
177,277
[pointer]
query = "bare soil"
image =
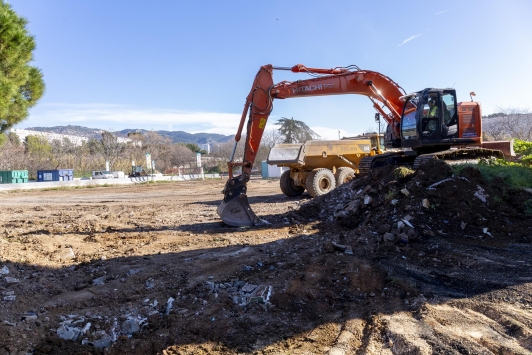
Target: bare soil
x,y
427,263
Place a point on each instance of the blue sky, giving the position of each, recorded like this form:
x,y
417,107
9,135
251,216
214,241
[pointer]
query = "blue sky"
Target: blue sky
x,y
188,65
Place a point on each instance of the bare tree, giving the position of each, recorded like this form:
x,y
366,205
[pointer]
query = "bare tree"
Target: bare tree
x,y
508,123
111,148
271,137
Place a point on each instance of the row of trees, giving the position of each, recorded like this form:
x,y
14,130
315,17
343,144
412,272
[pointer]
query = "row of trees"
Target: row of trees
x,y
508,123
36,153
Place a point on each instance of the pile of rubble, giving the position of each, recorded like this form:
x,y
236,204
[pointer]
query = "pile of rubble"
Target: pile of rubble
x,y
399,205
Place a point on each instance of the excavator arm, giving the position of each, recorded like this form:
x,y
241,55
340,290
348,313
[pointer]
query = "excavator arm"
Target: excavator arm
x,y
384,93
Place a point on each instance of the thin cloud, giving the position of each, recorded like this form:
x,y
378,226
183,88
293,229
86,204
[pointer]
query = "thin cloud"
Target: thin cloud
x,y
409,39
441,12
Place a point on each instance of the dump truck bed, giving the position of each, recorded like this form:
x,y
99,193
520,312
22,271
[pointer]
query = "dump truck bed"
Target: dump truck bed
x,y
320,154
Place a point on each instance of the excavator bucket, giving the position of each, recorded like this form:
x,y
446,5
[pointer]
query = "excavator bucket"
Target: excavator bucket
x,y
234,209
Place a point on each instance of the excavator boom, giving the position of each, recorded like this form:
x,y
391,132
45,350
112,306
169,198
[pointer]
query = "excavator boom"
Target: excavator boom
x,y
384,93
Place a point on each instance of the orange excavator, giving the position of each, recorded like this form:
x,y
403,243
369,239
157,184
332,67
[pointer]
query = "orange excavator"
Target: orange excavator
x,y
423,125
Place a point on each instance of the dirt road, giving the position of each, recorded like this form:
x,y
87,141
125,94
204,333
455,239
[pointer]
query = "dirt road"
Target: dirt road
x,y
150,269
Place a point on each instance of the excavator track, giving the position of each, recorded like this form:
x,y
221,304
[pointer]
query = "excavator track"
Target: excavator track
x,y
394,158
400,159
457,155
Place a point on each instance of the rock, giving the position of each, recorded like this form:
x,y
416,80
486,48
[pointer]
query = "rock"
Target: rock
x,y
405,192
463,225
394,202
169,305
353,205
411,233
348,250
425,203
339,247
368,199
403,238
248,288
67,254
130,326
408,223
328,248
104,342
408,218
383,228
400,224
4,270
68,333
11,280
389,237
481,195
99,281
428,232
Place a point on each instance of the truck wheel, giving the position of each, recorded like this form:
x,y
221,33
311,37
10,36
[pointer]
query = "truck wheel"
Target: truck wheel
x,y
320,181
344,175
288,187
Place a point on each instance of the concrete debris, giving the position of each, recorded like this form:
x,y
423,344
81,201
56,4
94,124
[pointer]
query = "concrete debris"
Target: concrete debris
x,y
368,199
408,223
485,231
480,194
103,343
4,270
389,237
248,288
425,203
29,316
394,202
463,225
339,247
86,328
11,280
405,192
439,182
348,250
99,281
68,333
67,254
150,283
130,326
408,218
169,305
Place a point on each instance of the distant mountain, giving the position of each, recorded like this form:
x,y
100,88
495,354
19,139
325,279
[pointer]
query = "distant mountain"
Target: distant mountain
x,y
176,136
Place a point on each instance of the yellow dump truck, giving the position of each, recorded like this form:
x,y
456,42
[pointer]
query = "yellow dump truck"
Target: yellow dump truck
x,y
320,165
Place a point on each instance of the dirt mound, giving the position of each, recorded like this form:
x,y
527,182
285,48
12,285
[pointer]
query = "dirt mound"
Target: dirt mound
x,y
399,262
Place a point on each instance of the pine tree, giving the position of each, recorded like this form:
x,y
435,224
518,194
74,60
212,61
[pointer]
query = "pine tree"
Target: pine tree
x,y
21,85
295,131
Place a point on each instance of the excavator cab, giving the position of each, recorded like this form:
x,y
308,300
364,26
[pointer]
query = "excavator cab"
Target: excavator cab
x,y
430,119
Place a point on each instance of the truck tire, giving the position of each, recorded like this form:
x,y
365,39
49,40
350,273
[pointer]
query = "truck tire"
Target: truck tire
x,y
320,181
344,175
288,187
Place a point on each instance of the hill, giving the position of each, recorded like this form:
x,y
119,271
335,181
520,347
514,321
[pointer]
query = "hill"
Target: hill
x,y
176,136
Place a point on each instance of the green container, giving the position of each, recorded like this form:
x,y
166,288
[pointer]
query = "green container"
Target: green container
x,y
13,176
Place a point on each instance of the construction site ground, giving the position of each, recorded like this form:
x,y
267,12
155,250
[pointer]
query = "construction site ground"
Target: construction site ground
x,y
392,263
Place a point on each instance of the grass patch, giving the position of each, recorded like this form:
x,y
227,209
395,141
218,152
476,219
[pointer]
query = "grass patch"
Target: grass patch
x,y
513,174
402,172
